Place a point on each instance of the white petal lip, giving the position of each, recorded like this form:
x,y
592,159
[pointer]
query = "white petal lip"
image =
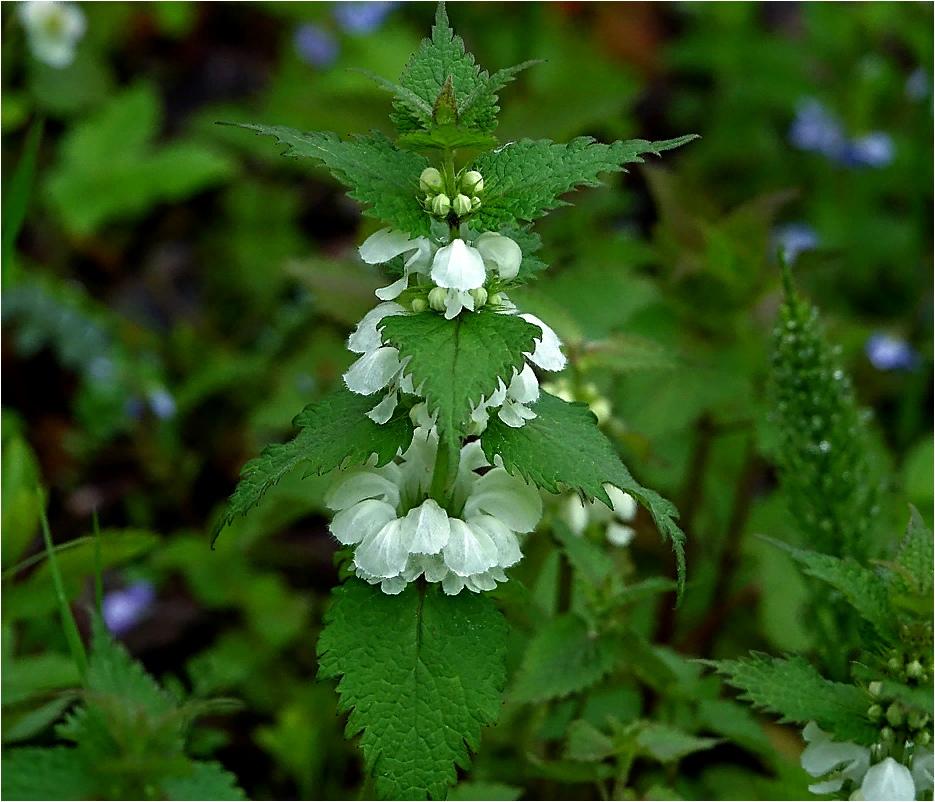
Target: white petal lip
x,y
383,411
384,245
394,290
507,498
457,300
373,371
384,554
888,780
524,386
623,504
502,251
361,520
515,415
430,528
508,551
458,266
548,351
366,336
469,551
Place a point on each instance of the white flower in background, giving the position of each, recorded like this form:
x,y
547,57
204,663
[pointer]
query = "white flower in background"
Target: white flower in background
x,y
578,514
53,29
400,534
835,761
512,399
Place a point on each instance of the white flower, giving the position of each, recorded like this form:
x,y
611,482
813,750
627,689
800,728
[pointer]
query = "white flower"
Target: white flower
x,y
53,29
548,351
502,252
387,244
578,514
923,769
400,534
458,266
887,780
835,761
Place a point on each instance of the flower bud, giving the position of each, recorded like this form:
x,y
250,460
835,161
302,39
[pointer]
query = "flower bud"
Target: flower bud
x,y
461,205
924,738
475,203
441,205
894,714
472,183
914,670
874,712
875,688
419,304
495,300
887,734
438,297
917,719
895,664
480,297
431,181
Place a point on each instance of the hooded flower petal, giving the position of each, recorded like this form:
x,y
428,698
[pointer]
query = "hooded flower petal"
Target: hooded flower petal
x,y
548,352
469,551
524,387
366,336
502,251
888,780
386,244
508,551
506,498
428,528
384,554
823,756
353,524
624,505
361,485
383,411
620,534
373,371
458,266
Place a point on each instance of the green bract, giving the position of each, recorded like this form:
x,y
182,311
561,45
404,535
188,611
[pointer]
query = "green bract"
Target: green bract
x,y
426,508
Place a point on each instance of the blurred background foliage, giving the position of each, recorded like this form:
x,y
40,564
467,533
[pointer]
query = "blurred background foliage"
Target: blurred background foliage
x,y
177,292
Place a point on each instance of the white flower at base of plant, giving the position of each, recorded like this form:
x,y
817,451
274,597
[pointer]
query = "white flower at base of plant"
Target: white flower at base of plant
x,y
53,30
578,515
400,534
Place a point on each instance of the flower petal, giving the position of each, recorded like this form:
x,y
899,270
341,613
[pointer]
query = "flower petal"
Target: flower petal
x,y
922,769
458,266
888,780
384,245
393,586
353,524
394,290
429,526
574,513
508,551
383,411
385,553
548,351
502,251
373,371
452,584
620,534
455,301
366,336
524,387
469,551
515,415
360,485
507,498
624,505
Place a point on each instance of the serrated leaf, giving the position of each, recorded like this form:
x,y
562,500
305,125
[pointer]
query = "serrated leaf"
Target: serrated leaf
x,y
207,780
915,558
524,180
540,453
864,589
587,743
793,689
378,174
588,559
563,657
42,774
668,744
420,673
479,109
446,137
334,432
458,361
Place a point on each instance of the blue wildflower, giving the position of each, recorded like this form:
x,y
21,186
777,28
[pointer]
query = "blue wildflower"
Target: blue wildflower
x,y
362,17
315,45
793,239
917,84
162,403
124,609
873,150
887,352
815,129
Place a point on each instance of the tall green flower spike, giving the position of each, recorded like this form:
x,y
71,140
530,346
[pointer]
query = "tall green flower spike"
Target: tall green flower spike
x,y
442,440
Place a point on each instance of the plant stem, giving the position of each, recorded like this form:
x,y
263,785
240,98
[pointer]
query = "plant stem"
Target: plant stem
x,y
439,487
75,644
98,565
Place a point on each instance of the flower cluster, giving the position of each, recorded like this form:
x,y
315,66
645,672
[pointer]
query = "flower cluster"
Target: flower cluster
x,y
816,129
401,533
464,197
838,762
53,30
578,515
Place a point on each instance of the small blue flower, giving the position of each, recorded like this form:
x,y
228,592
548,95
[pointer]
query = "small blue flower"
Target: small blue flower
x,y
917,84
124,609
793,239
315,45
887,352
815,129
162,403
362,17
873,150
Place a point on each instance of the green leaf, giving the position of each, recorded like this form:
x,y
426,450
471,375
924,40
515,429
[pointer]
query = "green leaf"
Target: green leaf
x,y
623,353
110,169
20,511
524,180
446,137
791,688
668,744
207,780
587,743
914,559
563,657
588,559
16,201
28,676
23,725
864,589
420,673
378,174
458,361
41,774
479,109
334,432
540,453
468,791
